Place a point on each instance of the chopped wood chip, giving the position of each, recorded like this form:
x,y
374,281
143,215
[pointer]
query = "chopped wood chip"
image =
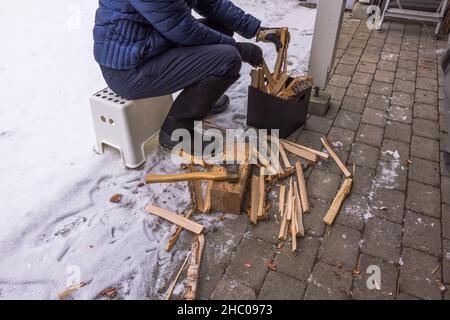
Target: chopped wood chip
x,y
68,292
280,245
221,218
435,269
116,198
271,265
247,265
110,292
383,208
441,286
356,271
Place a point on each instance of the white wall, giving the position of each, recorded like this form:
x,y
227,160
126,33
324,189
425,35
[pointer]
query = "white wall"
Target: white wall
x,y
349,4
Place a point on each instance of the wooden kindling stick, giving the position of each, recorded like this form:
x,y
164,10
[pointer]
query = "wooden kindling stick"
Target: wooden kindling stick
x,y
175,218
336,158
338,201
302,186
174,237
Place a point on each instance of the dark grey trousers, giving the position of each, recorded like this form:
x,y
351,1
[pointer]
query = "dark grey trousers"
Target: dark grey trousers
x,y
176,69
445,62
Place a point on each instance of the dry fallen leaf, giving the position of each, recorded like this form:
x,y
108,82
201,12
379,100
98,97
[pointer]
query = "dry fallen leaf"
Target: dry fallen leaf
x,y
110,292
271,265
339,265
221,218
116,198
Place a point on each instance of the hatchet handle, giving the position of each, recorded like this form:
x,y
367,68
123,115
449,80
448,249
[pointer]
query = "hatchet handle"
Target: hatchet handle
x,y
162,178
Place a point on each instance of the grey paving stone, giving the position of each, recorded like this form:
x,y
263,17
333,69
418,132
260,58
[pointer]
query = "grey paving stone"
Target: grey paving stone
x,y
358,43
409,55
410,46
392,174
353,104
404,86
415,274
400,114
298,264
389,56
353,211
375,42
343,137
378,101
232,289
445,187
374,117
362,78
444,171
280,287
376,50
337,93
446,221
404,296
364,155
424,199
255,252
370,135
382,88
425,148
425,128
340,80
330,165
424,171
387,65
422,233
427,97
425,111
402,99
354,51
407,75
310,139
386,289
340,246
349,59
430,73
443,123
394,151
366,67
446,262
382,239
407,64
312,221
357,90
363,181
370,57
347,120
391,46
398,131
384,76
345,69
323,185
328,282
319,124
389,204
427,84
268,229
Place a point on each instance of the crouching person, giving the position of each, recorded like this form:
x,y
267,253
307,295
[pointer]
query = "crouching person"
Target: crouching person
x,y
149,48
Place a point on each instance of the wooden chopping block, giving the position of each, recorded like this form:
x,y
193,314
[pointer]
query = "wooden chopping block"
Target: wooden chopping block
x,y
227,197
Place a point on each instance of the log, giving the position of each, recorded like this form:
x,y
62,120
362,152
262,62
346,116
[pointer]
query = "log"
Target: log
x,y
302,187
194,267
338,201
300,152
284,156
254,200
321,154
262,212
228,197
175,218
174,237
298,213
280,83
191,176
281,200
174,282
269,76
336,158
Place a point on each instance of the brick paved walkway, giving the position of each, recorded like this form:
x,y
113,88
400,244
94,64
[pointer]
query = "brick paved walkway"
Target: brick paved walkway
x,y
386,110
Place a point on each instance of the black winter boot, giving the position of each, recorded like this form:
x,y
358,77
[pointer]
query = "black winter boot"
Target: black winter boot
x,y
221,105
193,104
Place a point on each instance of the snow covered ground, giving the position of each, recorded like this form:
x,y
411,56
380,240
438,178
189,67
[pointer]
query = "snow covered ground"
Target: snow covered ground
x,y
57,225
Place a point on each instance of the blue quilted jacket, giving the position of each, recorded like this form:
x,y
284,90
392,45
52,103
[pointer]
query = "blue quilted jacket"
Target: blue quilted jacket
x,y
128,32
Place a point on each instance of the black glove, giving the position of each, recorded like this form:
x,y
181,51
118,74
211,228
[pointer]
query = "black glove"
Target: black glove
x,y
250,53
266,36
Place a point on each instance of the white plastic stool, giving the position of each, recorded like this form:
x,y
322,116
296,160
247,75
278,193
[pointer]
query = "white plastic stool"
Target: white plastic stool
x,y
127,125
